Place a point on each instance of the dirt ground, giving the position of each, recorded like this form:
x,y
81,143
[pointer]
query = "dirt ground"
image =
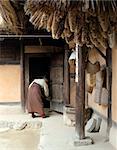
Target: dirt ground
x,y
26,139
12,137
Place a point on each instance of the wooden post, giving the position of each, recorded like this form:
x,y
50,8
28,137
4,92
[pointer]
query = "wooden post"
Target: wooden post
x,y
66,78
80,93
109,88
22,74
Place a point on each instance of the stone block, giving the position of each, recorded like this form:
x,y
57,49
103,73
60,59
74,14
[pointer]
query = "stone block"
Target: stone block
x,y
83,142
69,116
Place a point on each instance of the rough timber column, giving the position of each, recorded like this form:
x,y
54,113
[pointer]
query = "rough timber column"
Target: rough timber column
x,y
109,88
80,93
66,78
22,74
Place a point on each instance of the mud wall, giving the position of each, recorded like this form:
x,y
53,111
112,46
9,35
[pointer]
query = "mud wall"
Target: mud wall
x,y
10,83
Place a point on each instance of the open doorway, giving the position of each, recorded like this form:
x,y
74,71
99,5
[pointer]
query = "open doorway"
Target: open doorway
x,y
38,68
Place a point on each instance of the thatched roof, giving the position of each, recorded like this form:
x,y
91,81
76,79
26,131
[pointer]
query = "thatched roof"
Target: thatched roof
x,y
89,22
82,21
9,15
12,12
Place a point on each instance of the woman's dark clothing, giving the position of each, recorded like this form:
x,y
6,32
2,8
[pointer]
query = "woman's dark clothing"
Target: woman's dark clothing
x,y
35,99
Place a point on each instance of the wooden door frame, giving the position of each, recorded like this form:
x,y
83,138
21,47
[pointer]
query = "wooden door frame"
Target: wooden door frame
x,y
58,105
22,73
26,68
26,52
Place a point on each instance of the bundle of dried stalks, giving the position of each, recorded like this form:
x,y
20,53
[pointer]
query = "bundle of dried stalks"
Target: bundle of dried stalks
x,y
82,22
9,16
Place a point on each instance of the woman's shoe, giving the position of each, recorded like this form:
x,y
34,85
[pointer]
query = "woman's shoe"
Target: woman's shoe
x,y
33,115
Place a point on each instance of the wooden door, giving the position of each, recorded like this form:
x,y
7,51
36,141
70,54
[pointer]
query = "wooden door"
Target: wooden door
x,y
56,83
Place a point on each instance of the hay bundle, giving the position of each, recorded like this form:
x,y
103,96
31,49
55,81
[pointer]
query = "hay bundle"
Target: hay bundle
x,y
102,33
96,43
98,39
60,29
90,22
71,44
57,24
69,39
87,22
49,21
37,20
9,16
103,18
34,16
43,21
67,31
85,33
72,19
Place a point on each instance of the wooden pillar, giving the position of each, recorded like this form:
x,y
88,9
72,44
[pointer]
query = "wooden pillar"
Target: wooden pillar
x,y
22,74
109,88
66,78
80,93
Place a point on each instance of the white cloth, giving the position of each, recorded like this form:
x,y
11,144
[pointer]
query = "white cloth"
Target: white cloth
x,y
73,56
43,84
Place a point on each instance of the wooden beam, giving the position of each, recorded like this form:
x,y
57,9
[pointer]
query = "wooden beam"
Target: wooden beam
x,y
80,93
7,62
109,88
66,78
22,74
43,49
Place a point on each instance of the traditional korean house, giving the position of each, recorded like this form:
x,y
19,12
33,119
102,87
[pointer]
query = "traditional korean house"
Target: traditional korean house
x,y
38,37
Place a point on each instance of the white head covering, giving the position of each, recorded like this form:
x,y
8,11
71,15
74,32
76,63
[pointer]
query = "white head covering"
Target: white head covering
x,y
73,56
